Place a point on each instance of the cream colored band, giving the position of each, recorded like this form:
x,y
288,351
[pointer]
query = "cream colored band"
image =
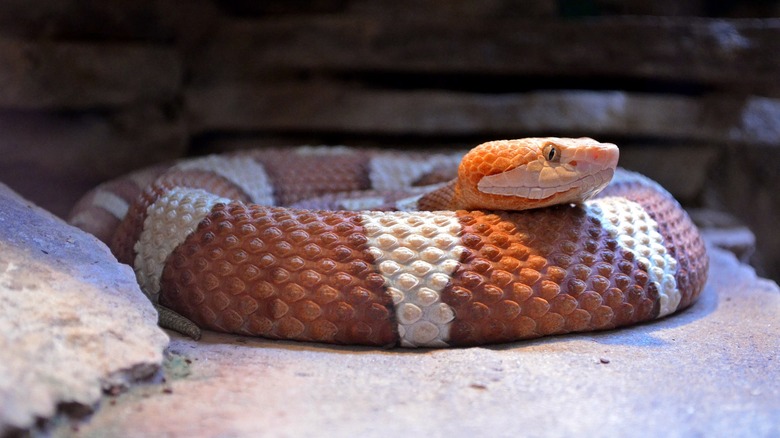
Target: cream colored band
x,y
417,253
244,172
168,222
637,232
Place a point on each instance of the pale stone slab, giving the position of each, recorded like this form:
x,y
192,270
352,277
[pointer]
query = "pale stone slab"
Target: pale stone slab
x,y
712,370
73,322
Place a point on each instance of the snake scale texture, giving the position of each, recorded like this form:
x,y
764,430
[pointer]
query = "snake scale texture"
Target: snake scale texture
x,y
327,244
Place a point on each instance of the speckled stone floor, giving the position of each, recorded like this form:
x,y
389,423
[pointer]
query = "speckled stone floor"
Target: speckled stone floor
x,y
713,370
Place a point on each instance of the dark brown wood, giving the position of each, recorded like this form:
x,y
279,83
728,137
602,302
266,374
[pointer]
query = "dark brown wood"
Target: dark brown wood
x,y
53,158
66,75
708,51
158,21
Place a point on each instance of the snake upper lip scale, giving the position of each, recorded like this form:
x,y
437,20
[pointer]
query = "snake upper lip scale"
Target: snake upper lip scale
x,y
215,246
596,180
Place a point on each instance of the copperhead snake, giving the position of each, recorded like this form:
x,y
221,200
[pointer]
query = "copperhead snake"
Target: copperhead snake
x,y
356,246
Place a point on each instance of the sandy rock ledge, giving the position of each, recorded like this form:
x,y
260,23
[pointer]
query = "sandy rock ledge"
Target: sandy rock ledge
x,y
711,370
73,322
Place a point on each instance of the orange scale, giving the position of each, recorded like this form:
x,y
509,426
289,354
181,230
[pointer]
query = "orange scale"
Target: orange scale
x,y
551,323
578,320
563,304
535,307
523,327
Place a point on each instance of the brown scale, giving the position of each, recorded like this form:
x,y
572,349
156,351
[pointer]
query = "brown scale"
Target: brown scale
x,y
543,272
439,199
681,237
280,273
129,230
102,223
298,176
436,176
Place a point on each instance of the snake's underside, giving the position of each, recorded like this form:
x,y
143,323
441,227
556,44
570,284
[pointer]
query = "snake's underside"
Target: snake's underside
x,y
293,244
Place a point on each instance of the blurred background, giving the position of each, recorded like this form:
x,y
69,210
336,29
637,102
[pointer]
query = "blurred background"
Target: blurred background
x,y
690,90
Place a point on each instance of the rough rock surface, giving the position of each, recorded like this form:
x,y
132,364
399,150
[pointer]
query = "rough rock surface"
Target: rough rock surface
x,y
73,321
711,370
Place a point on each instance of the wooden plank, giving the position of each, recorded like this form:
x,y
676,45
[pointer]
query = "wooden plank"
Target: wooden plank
x,y
53,158
708,51
148,20
250,8
391,10
60,75
683,170
694,8
329,108
105,144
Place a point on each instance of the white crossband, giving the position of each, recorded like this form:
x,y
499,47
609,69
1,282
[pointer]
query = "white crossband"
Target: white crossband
x,y
637,232
394,172
244,172
416,254
169,221
112,203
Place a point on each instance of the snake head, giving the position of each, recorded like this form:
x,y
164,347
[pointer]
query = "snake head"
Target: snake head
x,y
534,172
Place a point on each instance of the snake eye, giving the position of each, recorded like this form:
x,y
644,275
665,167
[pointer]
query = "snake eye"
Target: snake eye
x,y
551,153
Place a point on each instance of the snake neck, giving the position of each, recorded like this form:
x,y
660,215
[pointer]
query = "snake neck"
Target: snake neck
x,y
447,197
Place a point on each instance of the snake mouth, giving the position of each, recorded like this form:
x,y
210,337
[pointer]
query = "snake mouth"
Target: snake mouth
x,y
502,184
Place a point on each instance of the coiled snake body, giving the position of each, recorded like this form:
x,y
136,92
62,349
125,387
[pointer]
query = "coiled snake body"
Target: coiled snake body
x,y
329,245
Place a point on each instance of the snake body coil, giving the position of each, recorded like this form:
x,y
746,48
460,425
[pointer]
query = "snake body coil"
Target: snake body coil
x,y
242,243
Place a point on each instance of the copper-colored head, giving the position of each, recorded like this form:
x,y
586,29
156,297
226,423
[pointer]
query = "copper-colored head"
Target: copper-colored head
x,y
534,172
